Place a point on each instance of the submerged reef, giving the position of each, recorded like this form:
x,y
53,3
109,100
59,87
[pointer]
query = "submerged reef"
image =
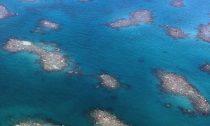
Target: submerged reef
x,y
178,85
104,118
175,32
4,13
35,123
136,18
177,3
51,60
28,0
204,32
84,0
187,111
46,25
108,81
205,67
49,24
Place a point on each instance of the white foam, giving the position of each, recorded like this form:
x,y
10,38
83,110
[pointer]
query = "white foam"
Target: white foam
x,y
26,43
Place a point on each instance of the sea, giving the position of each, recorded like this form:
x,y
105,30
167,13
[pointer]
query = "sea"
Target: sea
x,y
129,54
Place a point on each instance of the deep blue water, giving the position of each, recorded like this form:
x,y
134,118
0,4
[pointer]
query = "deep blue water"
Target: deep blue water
x,y
130,54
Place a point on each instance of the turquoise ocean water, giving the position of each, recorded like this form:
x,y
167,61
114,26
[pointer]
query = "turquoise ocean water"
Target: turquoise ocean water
x,y
130,54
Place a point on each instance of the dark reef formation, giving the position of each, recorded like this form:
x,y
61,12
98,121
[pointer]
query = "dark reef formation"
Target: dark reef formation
x,y
175,32
36,123
205,68
136,18
204,32
177,3
108,81
51,60
4,13
49,24
84,0
104,118
178,85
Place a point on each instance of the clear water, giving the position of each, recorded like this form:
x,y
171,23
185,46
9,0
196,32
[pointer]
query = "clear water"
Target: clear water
x,y
130,54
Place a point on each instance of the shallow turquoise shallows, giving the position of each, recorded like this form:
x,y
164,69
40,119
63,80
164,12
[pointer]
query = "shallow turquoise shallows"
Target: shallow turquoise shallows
x,y
129,54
